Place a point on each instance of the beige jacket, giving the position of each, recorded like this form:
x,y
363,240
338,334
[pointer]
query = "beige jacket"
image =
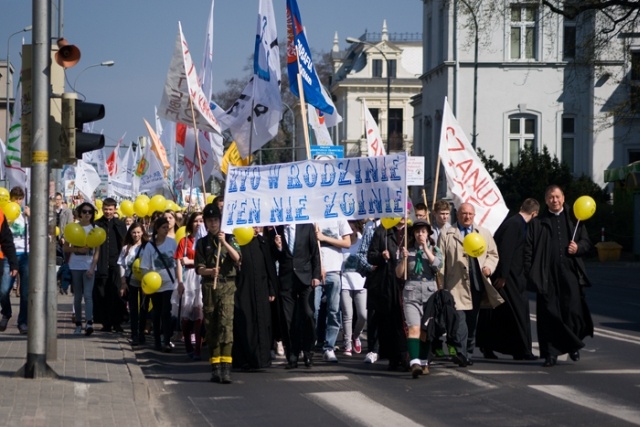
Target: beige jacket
x,y
456,268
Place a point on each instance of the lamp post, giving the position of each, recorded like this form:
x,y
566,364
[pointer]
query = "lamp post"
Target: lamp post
x,y
293,132
475,73
6,129
102,64
386,60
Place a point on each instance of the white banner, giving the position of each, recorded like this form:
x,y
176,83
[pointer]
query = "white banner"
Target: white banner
x,y
375,147
315,191
467,179
182,85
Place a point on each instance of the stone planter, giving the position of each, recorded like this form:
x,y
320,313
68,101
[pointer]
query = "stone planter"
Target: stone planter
x,y
609,251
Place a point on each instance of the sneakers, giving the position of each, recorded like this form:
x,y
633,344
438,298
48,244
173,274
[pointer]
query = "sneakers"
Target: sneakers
x,y
330,356
23,329
88,330
357,345
347,349
371,357
439,352
3,323
279,348
78,330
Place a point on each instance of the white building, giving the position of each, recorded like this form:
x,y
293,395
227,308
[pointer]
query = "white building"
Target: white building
x,y
536,85
382,69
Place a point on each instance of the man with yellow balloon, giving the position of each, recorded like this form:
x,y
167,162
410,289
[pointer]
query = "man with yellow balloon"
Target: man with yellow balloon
x,y
471,257
556,272
9,263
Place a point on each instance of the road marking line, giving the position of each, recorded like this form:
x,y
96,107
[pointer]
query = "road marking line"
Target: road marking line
x,y
317,378
359,409
170,382
597,403
504,372
606,333
610,371
466,377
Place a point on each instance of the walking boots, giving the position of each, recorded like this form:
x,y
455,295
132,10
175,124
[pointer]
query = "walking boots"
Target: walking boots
x,y
226,373
216,373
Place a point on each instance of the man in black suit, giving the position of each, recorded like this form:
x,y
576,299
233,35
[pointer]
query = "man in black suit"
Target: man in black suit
x,y
507,328
299,272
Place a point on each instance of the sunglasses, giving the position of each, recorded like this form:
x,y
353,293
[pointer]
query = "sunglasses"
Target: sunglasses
x,y
86,212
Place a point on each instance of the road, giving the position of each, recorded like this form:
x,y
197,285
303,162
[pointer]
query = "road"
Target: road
x,y
602,389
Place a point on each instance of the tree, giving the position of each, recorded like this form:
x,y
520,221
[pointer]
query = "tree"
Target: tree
x,y
616,12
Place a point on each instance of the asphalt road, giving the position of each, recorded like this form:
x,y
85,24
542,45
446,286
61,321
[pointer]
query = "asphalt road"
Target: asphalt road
x,y
602,389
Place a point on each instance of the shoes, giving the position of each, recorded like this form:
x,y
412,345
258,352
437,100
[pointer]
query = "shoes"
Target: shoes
x,y
416,370
118,328
167,348
279,348
550,361
88,330
330,356
216,373
225,373
357,345
525,357
371,357
292,363
439,352
23,329
425,370
575,356
460,360
347,349
4,322
308,359
489,354
78,330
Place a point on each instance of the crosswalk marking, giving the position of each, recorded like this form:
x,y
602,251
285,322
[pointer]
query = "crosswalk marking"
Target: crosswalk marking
x,y
597,403
359,409
610,371
317,378
465,376
505,372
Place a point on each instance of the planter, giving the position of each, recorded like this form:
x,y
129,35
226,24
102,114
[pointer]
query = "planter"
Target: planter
x,y
609,251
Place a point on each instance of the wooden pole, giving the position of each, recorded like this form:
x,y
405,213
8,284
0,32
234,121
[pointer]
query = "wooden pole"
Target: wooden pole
x,y
303,112
424,199
435,185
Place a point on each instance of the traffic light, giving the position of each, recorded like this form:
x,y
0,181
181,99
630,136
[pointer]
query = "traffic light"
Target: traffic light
x,y
75,114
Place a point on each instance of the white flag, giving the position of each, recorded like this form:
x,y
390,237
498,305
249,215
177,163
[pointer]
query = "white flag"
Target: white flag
x,y
254,118
149,171
330,120
375,147
467,179
87,179
180,87
122,182
15,173
317,123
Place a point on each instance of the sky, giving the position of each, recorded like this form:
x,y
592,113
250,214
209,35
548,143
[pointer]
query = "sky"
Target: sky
x,y
139,36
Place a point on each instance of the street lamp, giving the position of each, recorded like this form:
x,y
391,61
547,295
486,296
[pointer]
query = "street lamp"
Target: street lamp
x,y
102,64
6,129
355,40
293,133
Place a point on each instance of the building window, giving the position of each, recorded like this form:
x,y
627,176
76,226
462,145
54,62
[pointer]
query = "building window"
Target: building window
x,y
376,65
568,142
396,138
522,133
523,32
634,99
393,65
569,39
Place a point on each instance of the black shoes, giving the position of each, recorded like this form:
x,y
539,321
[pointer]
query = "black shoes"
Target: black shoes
x,y
225,373
575,356
461,360
216,373
550,361
292,363
529,356
308,359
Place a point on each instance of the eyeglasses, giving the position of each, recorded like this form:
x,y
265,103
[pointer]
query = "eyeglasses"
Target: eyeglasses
x,y
86,212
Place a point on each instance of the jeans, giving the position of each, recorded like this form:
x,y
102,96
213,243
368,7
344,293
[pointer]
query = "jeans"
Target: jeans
x,y
7,284
331,290
348,297
82,287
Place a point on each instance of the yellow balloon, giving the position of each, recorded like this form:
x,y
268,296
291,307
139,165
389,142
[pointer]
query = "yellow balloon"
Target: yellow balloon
x,y
127,207
4,196
96,237
57,231
141,207
143,197
182,231
157,203
136,270
98,203
474,245
11,211
98,215
210,198
584,208
389,222
151,282
74,234
243,235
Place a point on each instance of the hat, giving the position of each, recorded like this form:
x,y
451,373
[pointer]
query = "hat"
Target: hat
x,y
421,223
211,211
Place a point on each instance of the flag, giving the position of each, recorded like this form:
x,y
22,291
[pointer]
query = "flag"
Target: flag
x,y
254,119
317,123
158,148
299,61
148,174
182,92
232,157
16,175
467,178
112,161
87,179
187,138
375,147
122,181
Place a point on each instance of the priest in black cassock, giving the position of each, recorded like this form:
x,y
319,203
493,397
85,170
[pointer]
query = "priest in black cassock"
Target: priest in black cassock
x,y
555,270
507,328
256,288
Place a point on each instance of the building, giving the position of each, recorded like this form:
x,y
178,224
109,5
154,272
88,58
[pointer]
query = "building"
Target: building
x,y
6,76
542,80
382,69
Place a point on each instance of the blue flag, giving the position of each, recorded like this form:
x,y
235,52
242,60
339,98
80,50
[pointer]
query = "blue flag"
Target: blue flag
x,y
298,52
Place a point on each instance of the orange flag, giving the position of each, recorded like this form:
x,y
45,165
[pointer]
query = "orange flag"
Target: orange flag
x,y
157,147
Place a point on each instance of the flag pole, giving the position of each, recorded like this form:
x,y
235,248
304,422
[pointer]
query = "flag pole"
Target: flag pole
x,y
406,225
424,199
303,112
435,184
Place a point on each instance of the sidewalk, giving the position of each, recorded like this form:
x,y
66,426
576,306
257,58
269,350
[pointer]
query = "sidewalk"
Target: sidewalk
x,y
99,384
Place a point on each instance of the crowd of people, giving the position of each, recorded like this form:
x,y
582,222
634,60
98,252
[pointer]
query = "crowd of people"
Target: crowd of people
x,y
408,287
